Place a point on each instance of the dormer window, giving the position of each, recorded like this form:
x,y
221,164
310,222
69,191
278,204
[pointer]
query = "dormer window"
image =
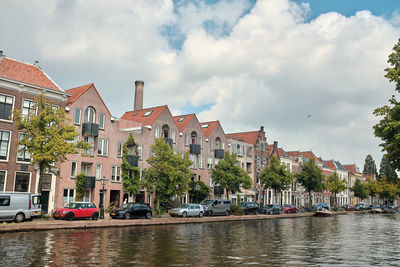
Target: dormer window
x,y
90,115
204,126
147,113
181,119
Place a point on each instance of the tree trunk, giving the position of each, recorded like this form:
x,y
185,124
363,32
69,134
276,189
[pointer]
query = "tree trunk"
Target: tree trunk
x,y
158,205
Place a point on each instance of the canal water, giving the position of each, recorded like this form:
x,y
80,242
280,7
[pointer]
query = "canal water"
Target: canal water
x,y
348,240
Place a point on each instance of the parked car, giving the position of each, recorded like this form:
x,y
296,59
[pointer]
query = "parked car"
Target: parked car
x,y
385,209
272,209
132,210
213,207
374,206
75,210
393,206
250,208
290,208
18,207
321,205
186,210
359,207
348,207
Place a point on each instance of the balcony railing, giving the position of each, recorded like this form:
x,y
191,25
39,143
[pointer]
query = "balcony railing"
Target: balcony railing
x,y
90,182
133,160
195,149
219,153
90,129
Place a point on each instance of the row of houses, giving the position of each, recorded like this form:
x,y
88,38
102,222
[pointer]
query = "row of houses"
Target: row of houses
x,y
21,83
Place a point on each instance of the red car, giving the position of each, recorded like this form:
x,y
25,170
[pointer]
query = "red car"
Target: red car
x,y
77,210
290,208
348,207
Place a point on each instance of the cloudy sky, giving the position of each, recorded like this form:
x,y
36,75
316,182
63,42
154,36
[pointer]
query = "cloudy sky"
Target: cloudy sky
x,y
245,63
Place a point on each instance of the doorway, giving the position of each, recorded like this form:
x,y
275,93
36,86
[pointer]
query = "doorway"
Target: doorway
x,y
45,202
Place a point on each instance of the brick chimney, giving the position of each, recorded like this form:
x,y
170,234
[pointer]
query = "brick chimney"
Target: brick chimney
x,y
138,95
275,145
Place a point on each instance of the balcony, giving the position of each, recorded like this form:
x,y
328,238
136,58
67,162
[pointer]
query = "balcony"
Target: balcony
x,y
195,149
219,153
90,129
90,182
169,141
133,160
218,190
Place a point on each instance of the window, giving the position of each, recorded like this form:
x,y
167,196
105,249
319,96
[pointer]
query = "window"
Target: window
x,y
193,159
77,118
156,132
68,196
99,168
86,168
102,147
147,113
2,180
102,119
209,163
4,144
74,168
140,151
212,144
28,108
90,151
173,136
181,119
4,201
223,145
90,115
201,141
201,162
22,181
204,126
116,174
211,181
186,139
6,106
22,153
120,147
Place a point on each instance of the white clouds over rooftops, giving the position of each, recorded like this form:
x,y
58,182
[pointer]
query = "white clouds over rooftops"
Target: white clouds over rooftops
x,y
256,65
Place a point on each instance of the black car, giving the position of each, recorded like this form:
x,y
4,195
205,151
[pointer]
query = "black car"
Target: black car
x,y
250,208
132,210
272,209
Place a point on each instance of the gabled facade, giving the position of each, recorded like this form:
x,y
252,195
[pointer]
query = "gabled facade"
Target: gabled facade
x,y
354,174
336,166
20,85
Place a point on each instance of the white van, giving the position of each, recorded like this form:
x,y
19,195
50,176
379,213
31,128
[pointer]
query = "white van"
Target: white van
x,y
18,206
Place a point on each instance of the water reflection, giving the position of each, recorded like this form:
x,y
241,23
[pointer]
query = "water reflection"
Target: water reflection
x,y
353,240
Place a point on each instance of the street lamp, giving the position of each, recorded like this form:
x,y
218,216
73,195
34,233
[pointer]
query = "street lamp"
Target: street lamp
x,y
103,182
197,187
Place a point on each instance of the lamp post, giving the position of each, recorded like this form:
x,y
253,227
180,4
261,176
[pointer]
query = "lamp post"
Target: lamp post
x,y
197,187
103,182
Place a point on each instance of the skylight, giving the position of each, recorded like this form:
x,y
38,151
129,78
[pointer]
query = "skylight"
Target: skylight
x,y
204,126
181,119
134,114
147,113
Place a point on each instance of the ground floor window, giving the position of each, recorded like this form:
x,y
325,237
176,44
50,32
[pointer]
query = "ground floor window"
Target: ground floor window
x,y
86,197
2,180
68,196
22,181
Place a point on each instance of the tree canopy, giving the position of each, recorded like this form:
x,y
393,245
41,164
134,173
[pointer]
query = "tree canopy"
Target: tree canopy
x,y
359,190
387,170
168,175
370,166
336,185
311,178
388,129
229,175
196,196
48,135
387,189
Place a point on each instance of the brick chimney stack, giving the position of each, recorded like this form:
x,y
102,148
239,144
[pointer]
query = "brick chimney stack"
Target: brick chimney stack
x,y
138,95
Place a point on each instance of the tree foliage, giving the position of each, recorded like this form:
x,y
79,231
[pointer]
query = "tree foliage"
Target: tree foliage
x,y
130,174
370,166
387,189
196,196
80,186
276,176
387,170
388,129
336,185
372,187
229,175
168,175
48,136
311,178
359,189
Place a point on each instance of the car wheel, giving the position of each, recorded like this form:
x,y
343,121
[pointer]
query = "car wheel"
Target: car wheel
x,y
296,211
127,216
226,213
184,214
69,216
270,212
95,216
210,213
148,215
20,217
201,214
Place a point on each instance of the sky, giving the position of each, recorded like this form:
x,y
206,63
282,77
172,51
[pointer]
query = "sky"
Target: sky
x,y
310,71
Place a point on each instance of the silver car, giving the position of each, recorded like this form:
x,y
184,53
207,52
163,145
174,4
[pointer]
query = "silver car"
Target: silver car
x,y
186,210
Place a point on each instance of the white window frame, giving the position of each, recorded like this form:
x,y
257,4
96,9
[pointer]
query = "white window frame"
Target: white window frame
x,y
26,153
211,144
99,171
76,168
116,173
156,132
120,148
211,181
201,162
186,139
8,145
102,147
12,106
201,141
5,181
29,184
102,121
90,151
140,151
209,163
91,114
79,117
173,135
68,196
193,158
32,103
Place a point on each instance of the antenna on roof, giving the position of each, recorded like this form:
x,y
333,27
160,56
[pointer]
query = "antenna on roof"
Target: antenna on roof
x,y
36,63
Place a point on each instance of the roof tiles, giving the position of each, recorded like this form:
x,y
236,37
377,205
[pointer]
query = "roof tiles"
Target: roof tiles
x,y
144,116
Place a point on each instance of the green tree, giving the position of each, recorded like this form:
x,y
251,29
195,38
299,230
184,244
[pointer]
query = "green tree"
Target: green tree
x,y
359,190
168,175
80,186
276,177
336,185
48,136
388,128
372,188
229,175
311,178
386,189
387,170
198,195
130,174
370,166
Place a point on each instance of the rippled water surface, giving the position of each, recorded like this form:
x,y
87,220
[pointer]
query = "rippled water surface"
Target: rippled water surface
x,y
348,240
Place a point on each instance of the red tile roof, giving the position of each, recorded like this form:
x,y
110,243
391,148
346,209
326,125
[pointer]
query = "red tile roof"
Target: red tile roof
x,y
330,165
211,126
352,168
182,124
138,115
26,73
78,91
247,137
310,154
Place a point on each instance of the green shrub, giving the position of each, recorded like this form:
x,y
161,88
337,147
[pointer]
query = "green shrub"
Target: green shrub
x,y
236,210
